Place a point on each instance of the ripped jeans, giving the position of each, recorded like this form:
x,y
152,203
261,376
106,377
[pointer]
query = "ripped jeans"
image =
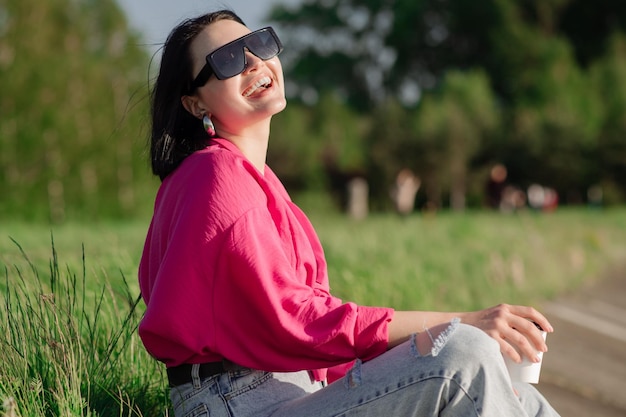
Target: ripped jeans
x,y
463,375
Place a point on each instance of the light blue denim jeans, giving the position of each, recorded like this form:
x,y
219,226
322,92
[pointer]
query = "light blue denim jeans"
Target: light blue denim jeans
x,y
464,375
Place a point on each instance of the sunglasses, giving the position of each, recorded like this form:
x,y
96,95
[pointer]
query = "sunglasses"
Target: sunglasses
x,y
230,60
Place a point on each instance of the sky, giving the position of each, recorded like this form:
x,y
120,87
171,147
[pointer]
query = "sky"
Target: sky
x,y
155,18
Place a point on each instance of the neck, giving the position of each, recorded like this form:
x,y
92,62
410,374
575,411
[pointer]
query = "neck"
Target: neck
x,y
254,150
253,145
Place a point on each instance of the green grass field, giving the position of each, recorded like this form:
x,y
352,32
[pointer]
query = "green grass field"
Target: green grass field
x,y
71,308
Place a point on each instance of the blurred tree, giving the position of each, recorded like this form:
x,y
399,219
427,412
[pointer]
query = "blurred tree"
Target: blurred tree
x,y
555,114
609,80
589,26
294,152
535,63
68,72
370,49
453,123
310,142
337,45
392,146
380,85
341,132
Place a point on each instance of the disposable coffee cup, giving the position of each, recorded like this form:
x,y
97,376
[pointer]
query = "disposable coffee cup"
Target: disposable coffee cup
x,y
526,371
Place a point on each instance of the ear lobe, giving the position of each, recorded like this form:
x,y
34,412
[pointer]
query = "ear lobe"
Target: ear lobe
x,y
190,103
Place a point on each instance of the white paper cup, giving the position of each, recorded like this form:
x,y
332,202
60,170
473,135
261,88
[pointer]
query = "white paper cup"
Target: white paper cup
x,y
526,371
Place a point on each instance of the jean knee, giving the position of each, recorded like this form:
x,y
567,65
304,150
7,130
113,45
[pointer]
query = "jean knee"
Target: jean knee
x,y
473,343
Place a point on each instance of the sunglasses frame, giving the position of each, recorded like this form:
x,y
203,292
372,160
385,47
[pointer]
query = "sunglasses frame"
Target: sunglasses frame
x,y
211,68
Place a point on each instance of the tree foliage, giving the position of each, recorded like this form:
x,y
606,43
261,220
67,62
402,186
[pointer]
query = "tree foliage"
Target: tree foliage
x,y
71,108
535,84
469,113
445,88
608,76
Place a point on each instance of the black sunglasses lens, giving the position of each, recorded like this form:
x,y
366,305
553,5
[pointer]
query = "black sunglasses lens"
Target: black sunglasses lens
x,y
263,45
230,59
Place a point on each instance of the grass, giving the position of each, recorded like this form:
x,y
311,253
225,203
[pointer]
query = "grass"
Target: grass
x,y
469,261
71,306
71,347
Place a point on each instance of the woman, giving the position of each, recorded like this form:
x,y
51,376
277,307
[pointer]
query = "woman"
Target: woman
x,y
235,280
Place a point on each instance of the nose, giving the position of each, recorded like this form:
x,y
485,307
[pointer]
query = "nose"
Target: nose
x,y
252,61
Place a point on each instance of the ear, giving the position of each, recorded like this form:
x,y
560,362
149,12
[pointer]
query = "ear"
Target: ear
x,y
193,106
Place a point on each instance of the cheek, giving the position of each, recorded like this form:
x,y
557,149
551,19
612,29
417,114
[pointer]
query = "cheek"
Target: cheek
x,y
276,67
280,103
216,95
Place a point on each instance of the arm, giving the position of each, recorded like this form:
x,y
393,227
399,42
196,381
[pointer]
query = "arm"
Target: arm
x,y
509,325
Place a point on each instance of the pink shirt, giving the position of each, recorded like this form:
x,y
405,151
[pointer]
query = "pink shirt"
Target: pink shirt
x,y
231,268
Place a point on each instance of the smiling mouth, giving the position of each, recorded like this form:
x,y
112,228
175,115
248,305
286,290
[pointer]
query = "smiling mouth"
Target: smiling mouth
x,y
262,83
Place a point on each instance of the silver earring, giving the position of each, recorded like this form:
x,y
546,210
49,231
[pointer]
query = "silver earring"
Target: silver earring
x,y
208,125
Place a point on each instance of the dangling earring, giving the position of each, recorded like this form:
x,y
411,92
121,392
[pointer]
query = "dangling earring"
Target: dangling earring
x,y
208,125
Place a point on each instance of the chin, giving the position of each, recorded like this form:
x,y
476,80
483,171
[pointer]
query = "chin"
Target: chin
x,y
279,106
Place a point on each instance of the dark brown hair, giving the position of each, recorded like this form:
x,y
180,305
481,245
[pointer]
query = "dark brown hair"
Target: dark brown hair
x,y
176,134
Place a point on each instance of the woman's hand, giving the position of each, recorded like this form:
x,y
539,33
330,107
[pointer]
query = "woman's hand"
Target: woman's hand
x,y
512,326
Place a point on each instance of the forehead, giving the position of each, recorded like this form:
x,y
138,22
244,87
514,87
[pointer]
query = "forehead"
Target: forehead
x,y
215,35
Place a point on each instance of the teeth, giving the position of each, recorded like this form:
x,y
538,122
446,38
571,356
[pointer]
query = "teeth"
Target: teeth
x,y
263,82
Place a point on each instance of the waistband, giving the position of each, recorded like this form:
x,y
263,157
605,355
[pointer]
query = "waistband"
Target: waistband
x,y
182,374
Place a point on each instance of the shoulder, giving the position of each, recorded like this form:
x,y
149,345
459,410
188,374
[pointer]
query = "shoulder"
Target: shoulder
x,y
215,182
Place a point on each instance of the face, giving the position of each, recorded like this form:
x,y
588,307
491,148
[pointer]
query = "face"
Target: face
x,y
242,101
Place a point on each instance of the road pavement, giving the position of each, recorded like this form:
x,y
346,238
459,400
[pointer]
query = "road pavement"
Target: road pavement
x,y
584,370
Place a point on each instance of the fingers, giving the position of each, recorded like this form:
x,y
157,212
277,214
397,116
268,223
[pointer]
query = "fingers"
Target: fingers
x,y
515,329
531,323
507,349
532,315
525,339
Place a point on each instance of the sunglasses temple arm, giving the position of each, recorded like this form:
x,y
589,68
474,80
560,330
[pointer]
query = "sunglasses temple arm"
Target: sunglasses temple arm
x,y
203,77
